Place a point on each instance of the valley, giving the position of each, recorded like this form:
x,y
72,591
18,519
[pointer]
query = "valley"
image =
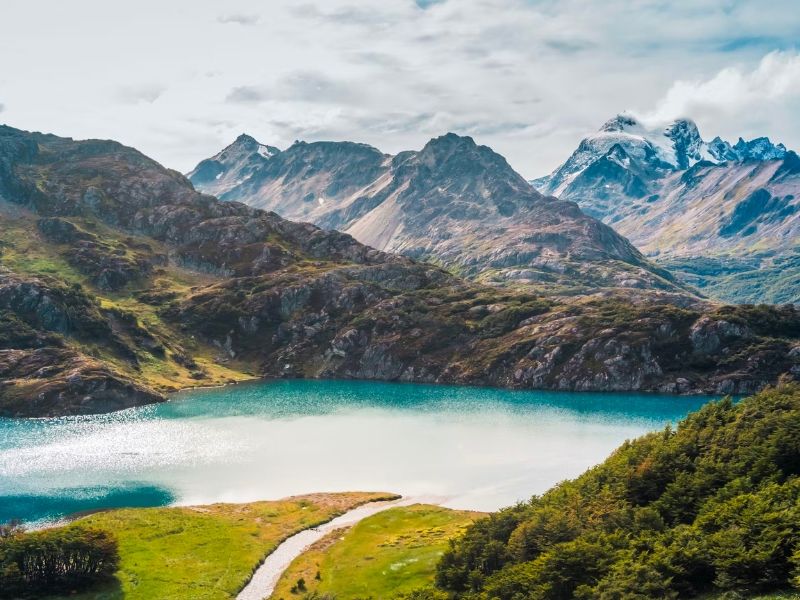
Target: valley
x,y
581,534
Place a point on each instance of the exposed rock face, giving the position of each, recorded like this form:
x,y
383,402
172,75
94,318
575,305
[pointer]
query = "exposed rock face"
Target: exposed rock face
x,y
283,299
300,326
724,217
53,381
708,335
454,203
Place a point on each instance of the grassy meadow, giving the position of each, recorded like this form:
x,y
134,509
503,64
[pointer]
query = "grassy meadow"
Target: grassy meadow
x,y
205,552
390,553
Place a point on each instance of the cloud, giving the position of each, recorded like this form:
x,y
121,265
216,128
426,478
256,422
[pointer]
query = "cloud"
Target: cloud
x,y
734,91
343,15
145,92
529,78
239,19
247,94
298,86
2,107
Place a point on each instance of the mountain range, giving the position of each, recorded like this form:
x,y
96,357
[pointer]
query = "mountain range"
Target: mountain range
x,y
453,203
119,282
723,217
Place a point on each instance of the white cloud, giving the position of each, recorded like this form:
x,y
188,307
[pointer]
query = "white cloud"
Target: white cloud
x,y
737,101
145,92
239,19
735,91
528,78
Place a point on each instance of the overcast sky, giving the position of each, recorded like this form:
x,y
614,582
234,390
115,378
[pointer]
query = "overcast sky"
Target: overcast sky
x,y
180,79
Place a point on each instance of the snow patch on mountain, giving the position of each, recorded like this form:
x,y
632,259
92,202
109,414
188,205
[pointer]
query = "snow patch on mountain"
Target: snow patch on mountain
x,y
266,151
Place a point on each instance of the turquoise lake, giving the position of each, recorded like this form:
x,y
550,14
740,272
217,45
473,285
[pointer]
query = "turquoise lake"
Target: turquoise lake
x,y
462,447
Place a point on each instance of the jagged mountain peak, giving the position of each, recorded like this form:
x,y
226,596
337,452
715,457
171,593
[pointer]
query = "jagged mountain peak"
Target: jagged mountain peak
x,y
652,152
246,144
760,148
445,147
621,122
232,165
722,215
333,148
245,139
453,155
451,140
683,125
455,202
687,145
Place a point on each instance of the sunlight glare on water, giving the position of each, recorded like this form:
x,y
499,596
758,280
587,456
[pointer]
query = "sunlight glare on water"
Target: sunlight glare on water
x,y
475,448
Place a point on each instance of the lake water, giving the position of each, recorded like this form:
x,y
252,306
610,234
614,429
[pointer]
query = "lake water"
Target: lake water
x,y
464,447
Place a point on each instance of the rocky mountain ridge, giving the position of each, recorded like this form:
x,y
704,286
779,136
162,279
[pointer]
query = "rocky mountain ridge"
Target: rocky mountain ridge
x,y
454,203
723,217
121,283
646,152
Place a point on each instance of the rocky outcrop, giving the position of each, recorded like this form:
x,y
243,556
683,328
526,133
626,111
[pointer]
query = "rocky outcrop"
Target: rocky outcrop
x,y
709,335
51,381
343,325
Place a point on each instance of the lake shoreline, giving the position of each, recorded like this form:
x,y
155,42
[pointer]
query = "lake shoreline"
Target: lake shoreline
x,y
480,447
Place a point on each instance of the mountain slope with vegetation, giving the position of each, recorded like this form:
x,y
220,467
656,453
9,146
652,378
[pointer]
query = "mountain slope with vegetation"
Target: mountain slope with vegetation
x,y
120,283
708,507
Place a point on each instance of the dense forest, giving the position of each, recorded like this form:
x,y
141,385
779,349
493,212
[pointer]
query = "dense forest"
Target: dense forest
x,y
709,507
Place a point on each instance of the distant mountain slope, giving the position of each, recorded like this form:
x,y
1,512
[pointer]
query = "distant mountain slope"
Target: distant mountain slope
x,y
453,203
723,216
119,282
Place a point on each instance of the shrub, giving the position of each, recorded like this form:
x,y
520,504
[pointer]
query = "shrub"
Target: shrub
x,y
54,560
710,507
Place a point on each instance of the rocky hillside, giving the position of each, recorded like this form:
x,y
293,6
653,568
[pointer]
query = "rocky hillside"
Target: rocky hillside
x,y
453,203
119,283
724,217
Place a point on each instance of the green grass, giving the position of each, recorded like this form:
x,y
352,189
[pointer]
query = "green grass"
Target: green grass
x,y
389,553
205,552
26,252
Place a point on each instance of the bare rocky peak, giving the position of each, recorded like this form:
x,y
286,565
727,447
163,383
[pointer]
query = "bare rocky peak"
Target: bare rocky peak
x,y
453,202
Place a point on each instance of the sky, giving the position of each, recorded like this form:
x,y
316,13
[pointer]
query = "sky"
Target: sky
x,y
179,80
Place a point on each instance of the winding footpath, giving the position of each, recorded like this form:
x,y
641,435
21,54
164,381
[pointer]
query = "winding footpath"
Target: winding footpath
x,y
267,575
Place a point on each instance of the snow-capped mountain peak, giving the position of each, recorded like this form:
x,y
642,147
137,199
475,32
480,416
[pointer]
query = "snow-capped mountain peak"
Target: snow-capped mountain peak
x,y
653,152
688,148
232,165
623,122
656,150
760,148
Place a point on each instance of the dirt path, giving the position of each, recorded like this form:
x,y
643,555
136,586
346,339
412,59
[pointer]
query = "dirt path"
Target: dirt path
x,y
267,575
